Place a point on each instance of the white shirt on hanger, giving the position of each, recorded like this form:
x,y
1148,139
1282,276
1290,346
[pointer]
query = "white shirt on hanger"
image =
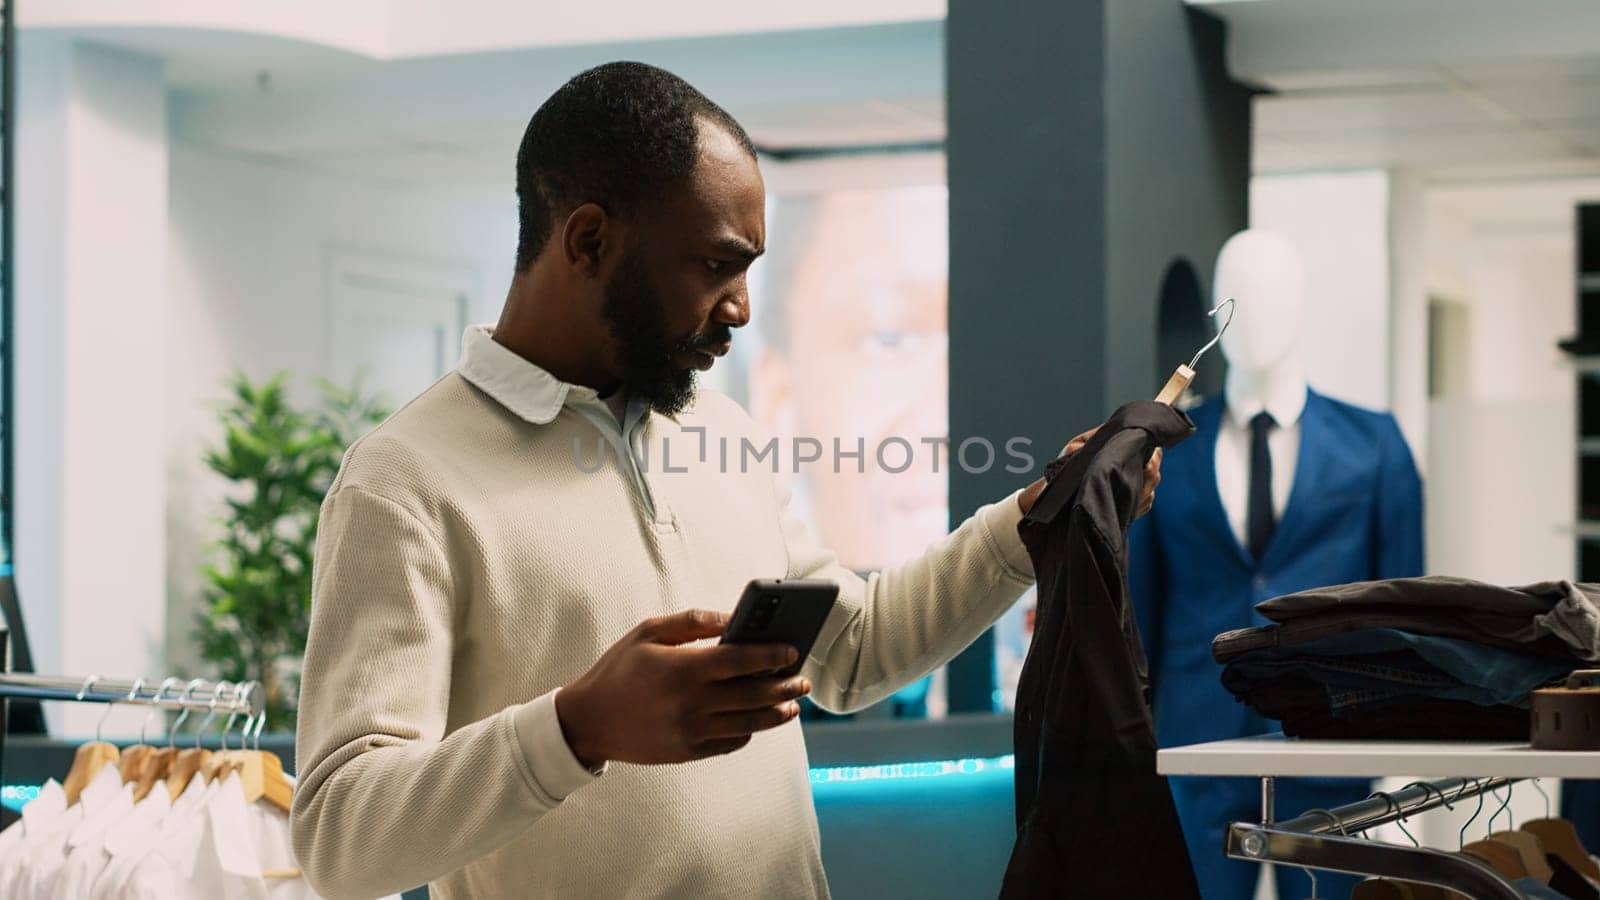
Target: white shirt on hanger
x,y
46,858
86,846
38,817
243,843
163,867
88,862
1285,402
130,846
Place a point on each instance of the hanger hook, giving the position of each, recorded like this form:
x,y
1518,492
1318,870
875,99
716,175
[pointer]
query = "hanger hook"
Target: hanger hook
x,y
1546,797
1399,814
238,695
133,695
155,707
1313,876
261,724
188,693
1503,808
1461,837
1331,817
211,710
84,692
1230,304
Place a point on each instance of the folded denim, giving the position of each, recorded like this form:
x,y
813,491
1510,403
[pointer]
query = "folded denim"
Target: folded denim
x,y
1564,610
1484,628
1380,663
1303,708
1422,720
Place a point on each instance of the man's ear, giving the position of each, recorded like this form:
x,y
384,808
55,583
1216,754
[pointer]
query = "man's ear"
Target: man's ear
x,y
588,238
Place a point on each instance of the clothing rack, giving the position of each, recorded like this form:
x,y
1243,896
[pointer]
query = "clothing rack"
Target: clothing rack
x,y
172,693
196,694
1321,839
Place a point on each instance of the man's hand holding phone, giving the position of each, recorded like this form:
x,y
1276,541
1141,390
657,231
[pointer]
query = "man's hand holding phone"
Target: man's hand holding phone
x,y
650,699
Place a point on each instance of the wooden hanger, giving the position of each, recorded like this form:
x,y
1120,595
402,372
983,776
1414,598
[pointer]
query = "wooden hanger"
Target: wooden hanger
x,y
1530,849
1560,837
184,768
91,757
1184,376
260,771
1501,857
261,774
133,756
86,764
197,758
156,767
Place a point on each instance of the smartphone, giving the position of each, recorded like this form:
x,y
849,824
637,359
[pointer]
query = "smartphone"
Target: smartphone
x,y
782,611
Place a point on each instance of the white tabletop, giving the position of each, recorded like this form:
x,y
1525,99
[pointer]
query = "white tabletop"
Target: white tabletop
x,y
1274,754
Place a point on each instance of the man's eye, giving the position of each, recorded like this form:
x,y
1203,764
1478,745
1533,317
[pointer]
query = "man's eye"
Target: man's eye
x,y
716,265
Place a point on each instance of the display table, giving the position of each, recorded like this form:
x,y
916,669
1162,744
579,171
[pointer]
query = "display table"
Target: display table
x,y
1274,754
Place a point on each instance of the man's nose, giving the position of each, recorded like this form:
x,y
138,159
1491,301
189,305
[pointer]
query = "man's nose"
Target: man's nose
x,y
733,310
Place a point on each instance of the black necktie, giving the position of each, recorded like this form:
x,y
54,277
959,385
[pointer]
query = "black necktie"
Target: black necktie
x,y
1259,520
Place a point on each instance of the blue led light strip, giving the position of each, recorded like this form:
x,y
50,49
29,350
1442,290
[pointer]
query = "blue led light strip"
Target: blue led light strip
x,y
939,768
16,795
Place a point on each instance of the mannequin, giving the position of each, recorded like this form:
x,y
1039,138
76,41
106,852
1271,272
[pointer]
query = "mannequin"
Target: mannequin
x,y
1322,493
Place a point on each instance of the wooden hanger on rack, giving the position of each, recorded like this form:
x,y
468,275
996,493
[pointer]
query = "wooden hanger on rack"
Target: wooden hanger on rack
x,y
91,757
1527,847
133,756
1560,837
1184,376
194,759
216,765
260,771
160,763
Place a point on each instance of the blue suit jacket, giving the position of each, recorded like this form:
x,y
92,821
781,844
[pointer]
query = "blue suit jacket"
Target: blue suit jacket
x,y
1354,514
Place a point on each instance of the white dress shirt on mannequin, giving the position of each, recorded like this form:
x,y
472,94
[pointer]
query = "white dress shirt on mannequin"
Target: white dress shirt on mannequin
x,y
1285,401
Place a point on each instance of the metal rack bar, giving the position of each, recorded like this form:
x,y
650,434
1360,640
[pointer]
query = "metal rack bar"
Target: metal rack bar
x,y
1319,839
196,694
1356,856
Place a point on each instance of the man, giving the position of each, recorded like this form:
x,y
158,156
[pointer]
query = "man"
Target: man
x,y
505,691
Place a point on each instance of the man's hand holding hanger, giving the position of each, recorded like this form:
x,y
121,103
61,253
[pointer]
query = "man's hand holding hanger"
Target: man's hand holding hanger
x,y
1147,498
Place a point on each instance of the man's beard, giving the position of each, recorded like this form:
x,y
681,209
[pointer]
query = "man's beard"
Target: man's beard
x,y
633,312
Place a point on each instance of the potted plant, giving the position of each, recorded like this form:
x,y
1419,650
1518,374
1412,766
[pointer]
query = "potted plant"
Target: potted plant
x,y
281,460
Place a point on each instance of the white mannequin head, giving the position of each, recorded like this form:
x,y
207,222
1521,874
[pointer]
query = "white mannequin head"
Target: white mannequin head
x,y
1261,270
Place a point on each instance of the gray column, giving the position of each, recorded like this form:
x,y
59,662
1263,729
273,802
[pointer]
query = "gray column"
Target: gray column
x,y
1091,145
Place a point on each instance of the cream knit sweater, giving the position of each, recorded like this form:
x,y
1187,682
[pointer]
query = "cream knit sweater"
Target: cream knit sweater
x,y
466,568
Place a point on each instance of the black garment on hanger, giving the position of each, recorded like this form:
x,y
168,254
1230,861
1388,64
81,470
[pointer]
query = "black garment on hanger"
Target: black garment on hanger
x,y
1094,820
1569,882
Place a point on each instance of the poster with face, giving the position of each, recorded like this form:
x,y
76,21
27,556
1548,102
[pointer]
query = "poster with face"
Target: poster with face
x,y
847,351
849,309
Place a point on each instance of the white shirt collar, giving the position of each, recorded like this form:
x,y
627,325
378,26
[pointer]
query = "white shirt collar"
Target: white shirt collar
x,y
527,390
1284,400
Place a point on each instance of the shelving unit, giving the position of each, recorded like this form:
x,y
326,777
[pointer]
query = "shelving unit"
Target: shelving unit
x,y
1329,839
1276,755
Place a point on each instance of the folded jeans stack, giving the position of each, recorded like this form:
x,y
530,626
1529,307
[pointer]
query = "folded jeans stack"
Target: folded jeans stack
x,y
1414,658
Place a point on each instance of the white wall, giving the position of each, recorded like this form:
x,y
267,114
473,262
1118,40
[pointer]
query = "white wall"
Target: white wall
x,y
92,170
1501,454
247,269
1340,223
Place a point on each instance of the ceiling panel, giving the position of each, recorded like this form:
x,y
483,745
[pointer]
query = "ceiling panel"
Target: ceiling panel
x,y
1368,111
1545,100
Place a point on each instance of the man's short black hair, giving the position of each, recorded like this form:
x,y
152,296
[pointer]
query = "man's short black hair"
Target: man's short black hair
x,y
614,135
